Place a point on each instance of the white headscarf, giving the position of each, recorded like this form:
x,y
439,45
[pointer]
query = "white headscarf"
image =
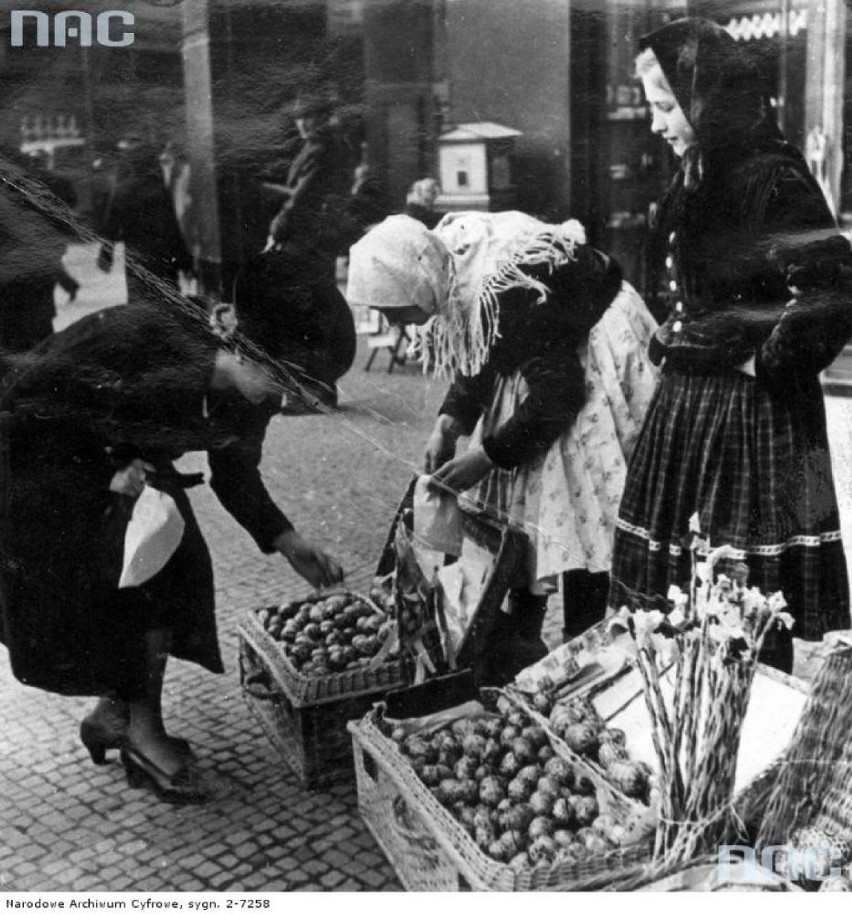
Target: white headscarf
x,y
397,264
488,252
456,273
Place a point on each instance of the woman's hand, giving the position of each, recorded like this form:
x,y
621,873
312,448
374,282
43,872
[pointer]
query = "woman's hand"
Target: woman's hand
x,y
665,333
131,480
441,445
462,473
314,565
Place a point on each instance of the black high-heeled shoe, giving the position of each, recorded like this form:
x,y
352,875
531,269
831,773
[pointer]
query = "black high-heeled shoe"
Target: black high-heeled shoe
x,y
98,736
97,739
182,787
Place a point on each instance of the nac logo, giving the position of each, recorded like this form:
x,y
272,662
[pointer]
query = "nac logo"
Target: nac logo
x,y
109,29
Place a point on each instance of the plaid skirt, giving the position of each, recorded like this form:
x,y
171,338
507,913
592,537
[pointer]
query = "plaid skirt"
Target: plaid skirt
x,y
754,464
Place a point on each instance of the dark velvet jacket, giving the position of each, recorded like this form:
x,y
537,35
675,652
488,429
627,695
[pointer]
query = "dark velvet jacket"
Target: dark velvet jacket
x,y
540,341
744,248
755,266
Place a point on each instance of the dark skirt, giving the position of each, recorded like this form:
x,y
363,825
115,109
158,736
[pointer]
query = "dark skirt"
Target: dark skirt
x,y
67,627
754,464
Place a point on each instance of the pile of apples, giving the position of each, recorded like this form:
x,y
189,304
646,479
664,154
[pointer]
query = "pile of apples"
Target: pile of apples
x,y
330,634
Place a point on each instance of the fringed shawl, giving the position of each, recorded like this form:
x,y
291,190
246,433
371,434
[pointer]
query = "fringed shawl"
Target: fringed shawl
x,y
491,254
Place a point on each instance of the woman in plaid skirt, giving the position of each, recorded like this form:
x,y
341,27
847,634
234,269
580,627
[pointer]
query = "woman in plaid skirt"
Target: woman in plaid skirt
x,y
758,303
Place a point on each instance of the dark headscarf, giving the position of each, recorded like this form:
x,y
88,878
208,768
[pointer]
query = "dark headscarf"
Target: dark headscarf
x,y
716,84
713,78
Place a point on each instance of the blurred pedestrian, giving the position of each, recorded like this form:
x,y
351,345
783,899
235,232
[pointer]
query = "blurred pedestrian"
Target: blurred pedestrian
x,y
313,220
141,213
420,202
315,224
64,191
176,176
92,422
35,229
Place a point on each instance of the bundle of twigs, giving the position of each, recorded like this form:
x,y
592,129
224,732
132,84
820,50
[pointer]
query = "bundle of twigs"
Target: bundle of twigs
x,y
697,666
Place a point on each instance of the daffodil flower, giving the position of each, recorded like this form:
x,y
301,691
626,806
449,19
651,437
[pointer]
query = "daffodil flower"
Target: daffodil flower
x,y
700,545
787,620
677,617
645,623
776,601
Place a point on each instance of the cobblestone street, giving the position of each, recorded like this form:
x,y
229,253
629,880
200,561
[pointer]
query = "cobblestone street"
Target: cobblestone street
x,y
66,825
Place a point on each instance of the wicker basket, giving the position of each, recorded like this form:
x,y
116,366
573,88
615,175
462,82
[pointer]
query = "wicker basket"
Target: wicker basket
x,y
618,691
638,819
431,851
305,717
304,690
813,780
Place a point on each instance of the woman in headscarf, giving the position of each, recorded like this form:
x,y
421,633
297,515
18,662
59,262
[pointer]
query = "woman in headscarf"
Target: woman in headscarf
x,y
89,419
755,279
547,348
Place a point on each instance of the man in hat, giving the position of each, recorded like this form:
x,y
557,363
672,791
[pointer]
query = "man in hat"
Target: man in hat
x,y
295,276
312,218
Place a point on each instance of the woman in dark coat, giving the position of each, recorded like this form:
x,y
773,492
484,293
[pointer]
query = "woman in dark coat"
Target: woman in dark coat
x,y
755,278
88,418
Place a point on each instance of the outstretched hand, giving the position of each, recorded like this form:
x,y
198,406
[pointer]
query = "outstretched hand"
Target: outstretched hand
x,y
317,567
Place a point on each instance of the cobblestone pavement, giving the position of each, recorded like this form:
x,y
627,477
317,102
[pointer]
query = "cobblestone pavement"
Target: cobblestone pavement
x,y
66,825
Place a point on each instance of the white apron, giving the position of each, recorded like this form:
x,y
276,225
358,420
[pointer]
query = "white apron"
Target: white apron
x,y
566,500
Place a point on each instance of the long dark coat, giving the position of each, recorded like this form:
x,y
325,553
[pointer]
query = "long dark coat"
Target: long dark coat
x,y
121,383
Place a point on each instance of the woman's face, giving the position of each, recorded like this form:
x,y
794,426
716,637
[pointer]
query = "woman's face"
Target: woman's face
x,y
667,117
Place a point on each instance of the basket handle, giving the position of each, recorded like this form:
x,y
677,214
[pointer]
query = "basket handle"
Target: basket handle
x,y
255,681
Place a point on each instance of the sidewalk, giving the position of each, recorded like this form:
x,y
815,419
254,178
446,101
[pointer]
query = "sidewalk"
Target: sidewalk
x,y
66,825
